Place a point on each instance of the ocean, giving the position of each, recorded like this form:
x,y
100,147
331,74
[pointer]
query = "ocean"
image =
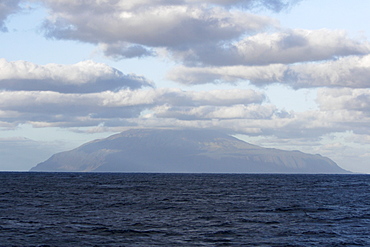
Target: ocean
x,y
132,209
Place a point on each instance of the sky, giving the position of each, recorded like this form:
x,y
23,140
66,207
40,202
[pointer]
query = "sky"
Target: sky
x,y
292,75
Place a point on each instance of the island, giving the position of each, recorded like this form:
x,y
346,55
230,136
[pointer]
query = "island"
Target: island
x,y
183,151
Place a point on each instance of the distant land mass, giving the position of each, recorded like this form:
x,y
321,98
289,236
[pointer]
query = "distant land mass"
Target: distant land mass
x,y
183,150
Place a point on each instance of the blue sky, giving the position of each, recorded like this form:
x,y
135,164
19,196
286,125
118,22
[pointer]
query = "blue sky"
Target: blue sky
x,y
284,74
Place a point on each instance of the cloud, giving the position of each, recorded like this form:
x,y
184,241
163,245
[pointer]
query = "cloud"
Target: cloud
x,y
259,120
239,111
290,46
351,71
195,32
179,97
344,99
274,5
215,112
159,26
228,74
128,29
227,97
58,109
7,7
121,50
82,77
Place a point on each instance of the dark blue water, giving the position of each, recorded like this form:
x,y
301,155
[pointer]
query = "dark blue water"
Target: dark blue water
x,y
69,209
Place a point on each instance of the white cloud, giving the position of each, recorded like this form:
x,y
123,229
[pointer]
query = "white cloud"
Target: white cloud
x,y
351,71
127,29
82,77
228,74
238,110
298,45
344,99
290,46
275,5
179,97
157,26
43,107
257,120
227,97
216,112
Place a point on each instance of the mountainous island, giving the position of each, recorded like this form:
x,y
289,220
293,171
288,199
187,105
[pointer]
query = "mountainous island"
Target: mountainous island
x,y
183,150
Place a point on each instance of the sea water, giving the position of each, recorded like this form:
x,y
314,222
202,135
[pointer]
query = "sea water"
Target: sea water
x,y
122,209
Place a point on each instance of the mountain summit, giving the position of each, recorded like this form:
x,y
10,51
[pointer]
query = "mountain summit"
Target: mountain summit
x,y
192,151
